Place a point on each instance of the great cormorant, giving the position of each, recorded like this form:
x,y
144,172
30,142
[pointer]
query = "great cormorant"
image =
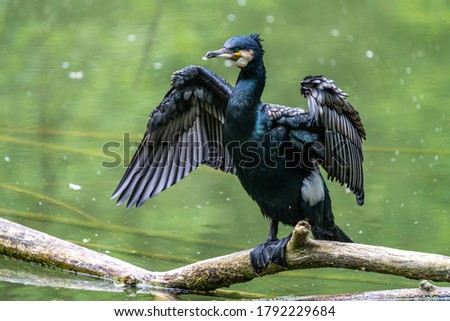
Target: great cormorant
x,y
275,151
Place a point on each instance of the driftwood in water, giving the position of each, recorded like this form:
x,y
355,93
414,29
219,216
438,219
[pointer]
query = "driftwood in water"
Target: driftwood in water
x,y
302,253
426,291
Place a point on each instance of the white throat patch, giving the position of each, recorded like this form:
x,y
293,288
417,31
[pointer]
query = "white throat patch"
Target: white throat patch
x,y
312,188
245,56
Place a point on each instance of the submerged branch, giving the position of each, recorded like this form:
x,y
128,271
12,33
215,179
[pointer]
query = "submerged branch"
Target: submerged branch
x,y
426,291
301,253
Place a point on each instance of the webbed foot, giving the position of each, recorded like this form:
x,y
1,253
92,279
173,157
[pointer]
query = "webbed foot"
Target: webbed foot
x,y
273,250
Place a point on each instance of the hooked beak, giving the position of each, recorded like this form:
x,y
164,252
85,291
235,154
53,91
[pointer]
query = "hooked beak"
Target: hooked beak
x,y
240,58
221,53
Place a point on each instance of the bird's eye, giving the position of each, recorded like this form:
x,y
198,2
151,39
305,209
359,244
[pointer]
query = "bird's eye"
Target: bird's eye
x,y
236,49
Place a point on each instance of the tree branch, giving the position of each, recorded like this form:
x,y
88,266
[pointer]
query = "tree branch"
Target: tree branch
x,y
425,291
301,253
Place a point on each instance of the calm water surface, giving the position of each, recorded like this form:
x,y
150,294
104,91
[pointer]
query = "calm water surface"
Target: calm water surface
x,y
76,75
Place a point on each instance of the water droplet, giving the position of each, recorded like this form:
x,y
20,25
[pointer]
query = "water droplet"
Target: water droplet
x,y
85,240
75,187
408,70
65,65
369,54
231,17
267,30
335,33
7,159
76,75
270,19
242,3
157,65
131,38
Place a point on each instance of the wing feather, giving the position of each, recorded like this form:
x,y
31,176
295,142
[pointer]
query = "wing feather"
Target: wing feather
x,y
344,132
181,131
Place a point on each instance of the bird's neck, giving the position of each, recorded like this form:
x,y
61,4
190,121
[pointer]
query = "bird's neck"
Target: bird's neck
x,y
244,104
246,95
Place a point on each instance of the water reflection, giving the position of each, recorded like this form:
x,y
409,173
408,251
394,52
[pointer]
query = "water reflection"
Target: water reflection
x,y
78,75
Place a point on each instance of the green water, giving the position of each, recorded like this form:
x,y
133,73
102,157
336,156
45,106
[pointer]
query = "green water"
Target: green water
x,y
75,75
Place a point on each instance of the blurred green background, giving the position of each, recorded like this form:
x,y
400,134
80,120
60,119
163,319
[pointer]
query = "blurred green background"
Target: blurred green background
x,y
75,75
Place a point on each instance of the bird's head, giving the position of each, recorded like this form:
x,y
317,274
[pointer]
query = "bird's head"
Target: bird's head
x,y
241,50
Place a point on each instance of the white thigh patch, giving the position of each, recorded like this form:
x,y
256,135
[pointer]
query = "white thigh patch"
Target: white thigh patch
x,y
312,188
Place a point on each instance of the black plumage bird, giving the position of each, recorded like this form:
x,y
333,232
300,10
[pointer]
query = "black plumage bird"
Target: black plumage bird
x,y
275,151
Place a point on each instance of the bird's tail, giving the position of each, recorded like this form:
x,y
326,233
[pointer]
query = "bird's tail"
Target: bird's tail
x,y
333,234
325,228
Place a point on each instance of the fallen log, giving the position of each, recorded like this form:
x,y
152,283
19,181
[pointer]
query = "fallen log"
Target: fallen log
x,y
301,253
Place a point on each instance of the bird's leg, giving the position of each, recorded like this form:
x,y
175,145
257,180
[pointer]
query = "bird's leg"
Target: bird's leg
x,y
273,230
279,246
273,250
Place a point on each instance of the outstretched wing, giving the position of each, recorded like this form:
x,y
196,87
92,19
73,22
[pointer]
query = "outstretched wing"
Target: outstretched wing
x,y
184,131
342,156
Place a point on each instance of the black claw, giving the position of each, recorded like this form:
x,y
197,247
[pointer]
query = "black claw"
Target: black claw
x,y
270,251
